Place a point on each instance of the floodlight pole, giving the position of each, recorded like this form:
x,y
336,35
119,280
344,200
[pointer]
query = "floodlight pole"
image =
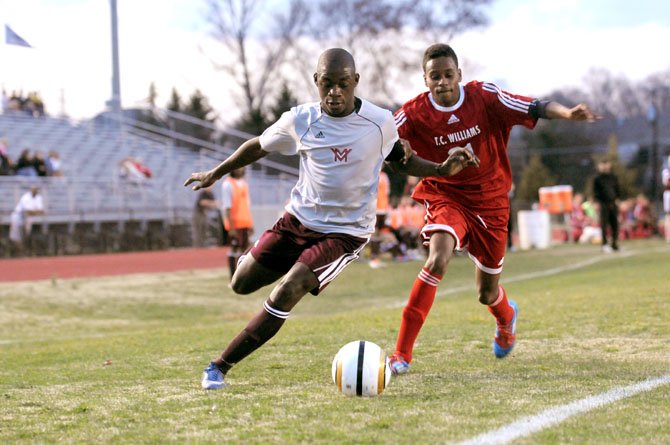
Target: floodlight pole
x,y
115,101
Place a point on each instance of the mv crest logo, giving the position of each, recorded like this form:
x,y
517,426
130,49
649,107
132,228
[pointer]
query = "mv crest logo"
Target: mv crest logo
x,y
341,155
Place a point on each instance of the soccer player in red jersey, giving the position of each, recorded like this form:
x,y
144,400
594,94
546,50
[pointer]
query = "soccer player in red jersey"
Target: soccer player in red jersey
x,y
470,209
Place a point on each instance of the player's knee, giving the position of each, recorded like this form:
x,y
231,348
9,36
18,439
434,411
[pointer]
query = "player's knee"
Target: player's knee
x,y
242,286
287,294
437,263
487,296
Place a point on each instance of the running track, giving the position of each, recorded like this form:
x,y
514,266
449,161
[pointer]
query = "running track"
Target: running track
x,y
78,266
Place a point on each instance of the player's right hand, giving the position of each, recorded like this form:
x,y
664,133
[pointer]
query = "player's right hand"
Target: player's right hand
x,y
205,179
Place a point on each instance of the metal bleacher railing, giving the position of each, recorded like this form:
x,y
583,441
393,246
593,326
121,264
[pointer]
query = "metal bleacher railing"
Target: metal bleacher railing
x,y
91,189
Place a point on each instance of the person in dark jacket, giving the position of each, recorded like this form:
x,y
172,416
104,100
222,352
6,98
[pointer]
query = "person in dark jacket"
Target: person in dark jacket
x,y
607,192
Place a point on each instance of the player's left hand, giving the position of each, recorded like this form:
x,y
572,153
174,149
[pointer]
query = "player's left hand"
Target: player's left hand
x,y
459,158
582,112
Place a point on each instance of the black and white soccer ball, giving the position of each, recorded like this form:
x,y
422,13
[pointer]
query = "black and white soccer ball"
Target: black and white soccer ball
x,y
361,368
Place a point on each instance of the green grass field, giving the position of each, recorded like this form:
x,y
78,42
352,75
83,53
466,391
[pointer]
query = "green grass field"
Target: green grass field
x,y
588,323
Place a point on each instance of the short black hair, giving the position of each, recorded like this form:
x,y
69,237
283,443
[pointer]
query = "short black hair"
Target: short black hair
x,y
438,50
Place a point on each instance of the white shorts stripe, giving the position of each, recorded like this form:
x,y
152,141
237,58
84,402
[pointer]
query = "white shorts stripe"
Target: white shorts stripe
x,y
430,228
483,268
332,270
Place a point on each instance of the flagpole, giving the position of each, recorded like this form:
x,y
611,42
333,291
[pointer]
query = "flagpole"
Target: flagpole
x,y
115,101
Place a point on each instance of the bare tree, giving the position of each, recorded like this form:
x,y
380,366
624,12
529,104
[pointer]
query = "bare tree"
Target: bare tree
x,y
387,36
615,96
257,56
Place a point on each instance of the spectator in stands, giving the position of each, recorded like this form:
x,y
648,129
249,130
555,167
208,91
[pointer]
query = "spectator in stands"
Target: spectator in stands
x,y
626,218
14,104
607,192
204,205
5,102
134,170
54,164
577,216
590,224
34,106
22,218
644,218
40,163
666,199
237,219
25,165
6,165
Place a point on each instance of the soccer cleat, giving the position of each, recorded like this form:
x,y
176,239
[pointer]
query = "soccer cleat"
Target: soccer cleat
x,y
212,378
505,338
398,365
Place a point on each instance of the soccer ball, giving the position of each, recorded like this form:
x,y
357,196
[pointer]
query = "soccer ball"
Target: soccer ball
x,y
361,368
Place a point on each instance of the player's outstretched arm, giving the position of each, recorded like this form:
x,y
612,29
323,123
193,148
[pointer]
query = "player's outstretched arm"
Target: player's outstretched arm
x,y
246,154
581,112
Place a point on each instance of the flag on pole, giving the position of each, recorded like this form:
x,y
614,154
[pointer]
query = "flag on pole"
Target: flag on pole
x,y
12,38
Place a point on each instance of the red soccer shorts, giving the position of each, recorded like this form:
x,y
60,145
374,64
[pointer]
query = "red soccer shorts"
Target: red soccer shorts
x,y
484,237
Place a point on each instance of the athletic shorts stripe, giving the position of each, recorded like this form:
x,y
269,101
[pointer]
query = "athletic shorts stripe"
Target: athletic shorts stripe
x,y
429,229
336,267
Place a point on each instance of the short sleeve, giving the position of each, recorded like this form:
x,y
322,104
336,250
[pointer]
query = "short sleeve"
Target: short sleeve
x,y
512,109
280,137
389,134
403,124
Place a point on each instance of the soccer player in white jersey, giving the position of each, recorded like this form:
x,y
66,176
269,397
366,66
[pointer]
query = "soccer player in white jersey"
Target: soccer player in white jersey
x,y
468,210
342,142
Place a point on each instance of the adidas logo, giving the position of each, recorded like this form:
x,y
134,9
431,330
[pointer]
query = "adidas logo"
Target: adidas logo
x,y
453,119
320,135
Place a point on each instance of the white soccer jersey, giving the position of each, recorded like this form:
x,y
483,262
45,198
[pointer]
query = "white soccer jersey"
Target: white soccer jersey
x,y
340,161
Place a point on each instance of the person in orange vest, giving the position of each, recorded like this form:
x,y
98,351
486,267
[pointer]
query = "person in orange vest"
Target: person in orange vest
x,y
383,190
236,212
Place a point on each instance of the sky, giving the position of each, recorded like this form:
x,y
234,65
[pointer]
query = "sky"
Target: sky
x,y
531,47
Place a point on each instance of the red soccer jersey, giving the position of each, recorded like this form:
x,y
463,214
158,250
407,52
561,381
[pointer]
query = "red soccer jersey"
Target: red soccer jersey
x,y
483,117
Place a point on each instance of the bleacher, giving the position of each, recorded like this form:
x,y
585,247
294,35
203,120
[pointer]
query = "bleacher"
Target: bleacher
x,y
92,208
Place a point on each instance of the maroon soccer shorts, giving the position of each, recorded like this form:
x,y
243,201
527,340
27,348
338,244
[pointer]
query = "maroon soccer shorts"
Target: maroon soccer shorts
x,y
288,242
484,237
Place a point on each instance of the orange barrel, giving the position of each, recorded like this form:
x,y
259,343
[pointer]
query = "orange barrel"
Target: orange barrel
x,y
564,197
549,200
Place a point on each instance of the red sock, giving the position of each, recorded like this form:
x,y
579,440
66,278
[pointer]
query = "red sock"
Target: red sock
x,y
501,308
420,301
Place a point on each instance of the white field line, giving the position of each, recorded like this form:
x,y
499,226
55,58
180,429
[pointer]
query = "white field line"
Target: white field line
x,y
533,275
552,416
